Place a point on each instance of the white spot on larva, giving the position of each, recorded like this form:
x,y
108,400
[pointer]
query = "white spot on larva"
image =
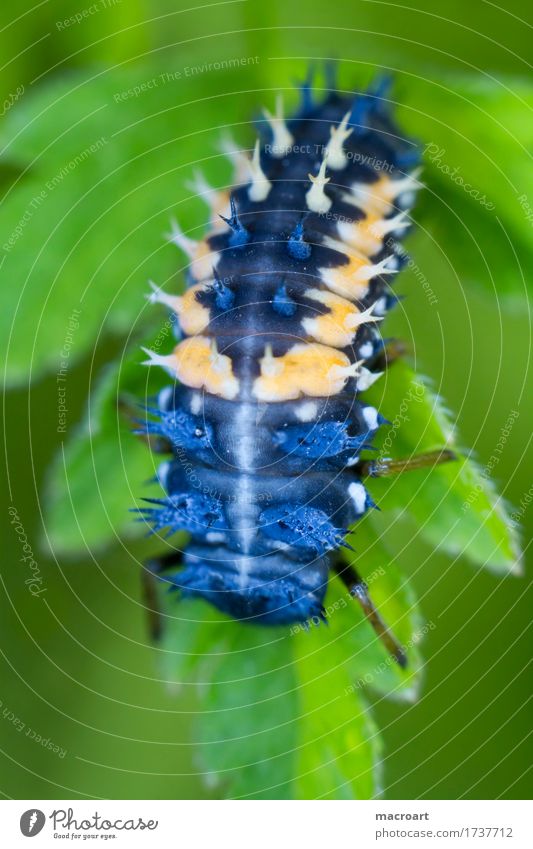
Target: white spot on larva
x,y
366,350
196,404
162,473
357,493
370,415
367,378
380,306
306,412
393,262
164,397
316,198
405,200
277,545
214,536
352,461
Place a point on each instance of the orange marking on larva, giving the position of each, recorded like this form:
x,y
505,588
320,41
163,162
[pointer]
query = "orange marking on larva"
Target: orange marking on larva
x,y
331,328
367,235
203,261
193,316
219,207
338,326
378,198
197,363
346,280
306,369
373,198
362,235
216,200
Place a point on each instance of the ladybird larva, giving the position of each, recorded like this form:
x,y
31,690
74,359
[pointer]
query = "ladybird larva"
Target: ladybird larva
x,y
281,337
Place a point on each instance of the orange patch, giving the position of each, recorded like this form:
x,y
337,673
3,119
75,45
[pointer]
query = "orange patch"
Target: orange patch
x,y
378,198
336,327
219,203
343,279
194,317
374,198
369,234
203,261
364,236
306,369
199,365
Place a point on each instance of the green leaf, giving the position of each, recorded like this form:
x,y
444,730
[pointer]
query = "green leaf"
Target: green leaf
x,y
101,467
354,638
339,743
478,205
104,168
282,711
454,505
278,716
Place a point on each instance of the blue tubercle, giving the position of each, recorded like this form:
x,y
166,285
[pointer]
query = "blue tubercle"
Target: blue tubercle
x,y
240,235
360,114
270,602
185,511
282,303
302,527
183,430
379,89
269,590
224,297
306,92
322,439
297,247
331,74
409,158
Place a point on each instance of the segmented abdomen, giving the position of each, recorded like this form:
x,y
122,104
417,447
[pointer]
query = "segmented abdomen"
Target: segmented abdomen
x,y
280,326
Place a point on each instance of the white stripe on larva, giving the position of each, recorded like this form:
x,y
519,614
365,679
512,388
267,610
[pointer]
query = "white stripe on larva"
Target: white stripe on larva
x,y
196,403
306,412
164,397
357,493
162,473
366,350
370,415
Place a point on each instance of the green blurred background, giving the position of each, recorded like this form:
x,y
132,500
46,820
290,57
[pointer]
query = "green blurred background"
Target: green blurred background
x,y
80,670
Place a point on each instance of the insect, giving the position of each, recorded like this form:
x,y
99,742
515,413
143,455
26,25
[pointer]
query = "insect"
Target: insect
x,y
265,420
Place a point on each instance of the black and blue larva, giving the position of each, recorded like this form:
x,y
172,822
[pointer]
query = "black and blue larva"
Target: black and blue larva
x,y
265,420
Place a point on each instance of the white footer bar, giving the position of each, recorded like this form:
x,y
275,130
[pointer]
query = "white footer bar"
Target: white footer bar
x,y
267,824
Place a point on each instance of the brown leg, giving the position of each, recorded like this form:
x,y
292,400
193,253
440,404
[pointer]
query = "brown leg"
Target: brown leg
x,y
150,582
386,467
359,590
393,350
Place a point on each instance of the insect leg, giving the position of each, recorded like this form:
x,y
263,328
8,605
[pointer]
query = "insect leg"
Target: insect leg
x,y
387,466
157,444
393,350
150,581
359,590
